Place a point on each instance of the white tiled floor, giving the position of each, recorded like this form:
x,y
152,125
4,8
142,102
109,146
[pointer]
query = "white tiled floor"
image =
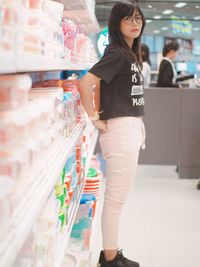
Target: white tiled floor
x,y
160,225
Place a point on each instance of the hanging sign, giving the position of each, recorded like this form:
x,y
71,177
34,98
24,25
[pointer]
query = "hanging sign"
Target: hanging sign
x,y
181,26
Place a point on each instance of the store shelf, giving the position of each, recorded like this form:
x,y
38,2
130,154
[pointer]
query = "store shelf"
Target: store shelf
x,y
40,63
7,63
94,227
73,210
10,63
80,11
81,61
28,210
17,60
33,63
92,150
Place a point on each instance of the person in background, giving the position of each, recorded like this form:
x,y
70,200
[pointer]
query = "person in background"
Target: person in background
x,y
119,119
167,75
146,65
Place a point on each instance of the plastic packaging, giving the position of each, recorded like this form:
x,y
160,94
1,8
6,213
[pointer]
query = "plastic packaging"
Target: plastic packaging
x,y
70,260
14,90
6,184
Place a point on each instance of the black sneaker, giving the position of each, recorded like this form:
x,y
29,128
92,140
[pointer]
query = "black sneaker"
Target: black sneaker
x,y
118,261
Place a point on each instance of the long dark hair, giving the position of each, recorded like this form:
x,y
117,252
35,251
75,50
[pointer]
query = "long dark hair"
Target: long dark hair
x,y
118,12
145,54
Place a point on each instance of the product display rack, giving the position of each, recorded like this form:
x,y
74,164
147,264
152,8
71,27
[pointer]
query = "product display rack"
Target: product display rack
x,y
33,199
80,11
84,255
16,62
7,63
73,210
42,63
26,213
94,226
82,62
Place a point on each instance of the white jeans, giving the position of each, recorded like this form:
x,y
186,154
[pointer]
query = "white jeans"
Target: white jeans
x,y
120,147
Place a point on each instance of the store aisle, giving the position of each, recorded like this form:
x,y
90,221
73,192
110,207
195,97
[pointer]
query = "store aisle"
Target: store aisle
x,y
161,221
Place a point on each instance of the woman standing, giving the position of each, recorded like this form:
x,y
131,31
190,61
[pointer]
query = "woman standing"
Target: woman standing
x,y
118,75
146,65
167,75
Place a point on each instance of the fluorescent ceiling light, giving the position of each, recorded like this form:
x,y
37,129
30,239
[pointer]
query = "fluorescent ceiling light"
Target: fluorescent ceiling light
x,y
197,18
164,28
149,6
167,11
156,31
196,29
197,6
180,4
157,17
148,21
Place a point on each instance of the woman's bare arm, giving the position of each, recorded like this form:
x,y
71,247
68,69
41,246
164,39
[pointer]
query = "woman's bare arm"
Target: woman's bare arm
x,y
87,85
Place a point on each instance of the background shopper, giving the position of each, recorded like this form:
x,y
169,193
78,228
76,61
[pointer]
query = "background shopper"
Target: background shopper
x,y
118,75
167,73
146,65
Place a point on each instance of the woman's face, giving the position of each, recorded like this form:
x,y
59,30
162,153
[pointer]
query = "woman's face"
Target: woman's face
x,y
131,26
172,54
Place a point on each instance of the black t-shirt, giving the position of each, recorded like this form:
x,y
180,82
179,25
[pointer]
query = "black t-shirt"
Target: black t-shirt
x,y
121,85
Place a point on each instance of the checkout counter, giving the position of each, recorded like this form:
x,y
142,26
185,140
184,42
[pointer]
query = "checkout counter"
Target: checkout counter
x,y
172,124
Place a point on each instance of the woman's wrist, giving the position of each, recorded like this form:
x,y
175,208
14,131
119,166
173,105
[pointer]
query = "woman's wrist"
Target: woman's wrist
x,y
95,117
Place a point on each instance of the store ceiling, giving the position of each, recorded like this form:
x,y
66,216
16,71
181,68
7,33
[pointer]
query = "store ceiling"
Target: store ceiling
x,y
187,27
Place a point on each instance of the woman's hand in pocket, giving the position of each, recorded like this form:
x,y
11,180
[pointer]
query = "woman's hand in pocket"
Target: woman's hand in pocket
x,y
101,125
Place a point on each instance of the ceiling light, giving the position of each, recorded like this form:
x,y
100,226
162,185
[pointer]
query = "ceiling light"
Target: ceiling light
x,y
164,28
157,17
167,11
148,21
156,31
197,6
197,18
180,4
149,6
196,29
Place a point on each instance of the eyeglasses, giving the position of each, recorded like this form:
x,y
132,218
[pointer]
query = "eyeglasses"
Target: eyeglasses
x,y
129,20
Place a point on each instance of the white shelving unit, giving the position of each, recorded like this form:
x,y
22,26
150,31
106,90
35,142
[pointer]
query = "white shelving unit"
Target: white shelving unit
x,y
7,63
73,210
40,63
28,210
29,207
80,11
34,63
85,255
81,61
27,63
12,62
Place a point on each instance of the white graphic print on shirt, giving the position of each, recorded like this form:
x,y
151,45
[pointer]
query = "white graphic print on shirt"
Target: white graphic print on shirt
x,y
138,101
136,90
134,67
